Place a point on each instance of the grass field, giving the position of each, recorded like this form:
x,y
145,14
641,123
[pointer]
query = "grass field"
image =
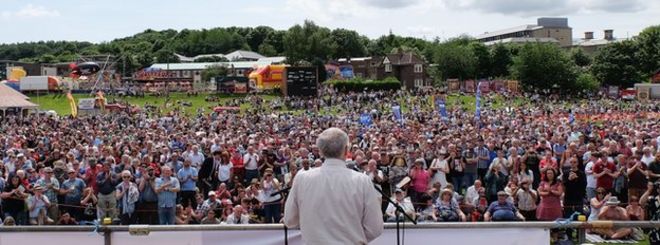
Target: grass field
x,y
61,105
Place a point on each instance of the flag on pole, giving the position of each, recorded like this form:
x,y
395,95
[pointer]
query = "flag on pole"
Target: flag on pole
x,y
396,110
477,112
442,108
365,119
72,104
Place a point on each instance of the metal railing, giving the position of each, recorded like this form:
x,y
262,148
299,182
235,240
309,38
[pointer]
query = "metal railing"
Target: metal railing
x,y
107,231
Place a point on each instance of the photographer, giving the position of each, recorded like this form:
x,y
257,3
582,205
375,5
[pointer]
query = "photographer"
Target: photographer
x,y
148,199
271,204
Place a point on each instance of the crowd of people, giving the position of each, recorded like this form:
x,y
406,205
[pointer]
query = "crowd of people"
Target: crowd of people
x,y
544,159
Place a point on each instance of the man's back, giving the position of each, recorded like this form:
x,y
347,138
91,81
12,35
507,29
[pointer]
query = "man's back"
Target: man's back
x,y
334,205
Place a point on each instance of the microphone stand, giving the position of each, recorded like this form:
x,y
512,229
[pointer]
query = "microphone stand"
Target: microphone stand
x,y
399,210
284,192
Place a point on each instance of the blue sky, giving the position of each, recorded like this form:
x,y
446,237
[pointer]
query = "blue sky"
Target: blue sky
x,y
97,21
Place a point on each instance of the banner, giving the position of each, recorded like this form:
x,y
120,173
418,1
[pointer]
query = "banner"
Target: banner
x,y
72,104
490,236
477,111
396,110
86,104
365,119
442,108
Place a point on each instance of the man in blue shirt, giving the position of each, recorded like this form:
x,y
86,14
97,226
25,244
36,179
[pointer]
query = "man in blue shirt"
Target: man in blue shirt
x,y
188,177
502,210
72,189
483,159
106,181
166,188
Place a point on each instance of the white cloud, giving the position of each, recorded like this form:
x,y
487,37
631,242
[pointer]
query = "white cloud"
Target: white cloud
x,y
546,7
31,11
421,31
338,9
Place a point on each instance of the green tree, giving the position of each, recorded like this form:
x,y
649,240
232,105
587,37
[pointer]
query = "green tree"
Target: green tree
x,y
213,71
166,56
585,82
347,44
544,66
616,64
580,58
648,50
483,64
213,58
501,58
258,36
267,50
406,49
455,59
307,43
47,58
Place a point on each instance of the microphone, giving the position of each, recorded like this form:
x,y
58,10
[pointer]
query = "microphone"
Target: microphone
x,y
283,191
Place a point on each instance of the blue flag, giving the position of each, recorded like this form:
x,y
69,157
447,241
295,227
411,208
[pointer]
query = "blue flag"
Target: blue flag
x,y
396,110
571,117
477,112
365,119
442,108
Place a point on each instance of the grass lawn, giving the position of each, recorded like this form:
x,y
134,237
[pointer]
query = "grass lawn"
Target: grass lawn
x,y
61,105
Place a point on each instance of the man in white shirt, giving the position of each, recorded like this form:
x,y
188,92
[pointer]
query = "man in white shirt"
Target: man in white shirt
x,y
355,216
591,180
404,202
472,192
647,157
375,174
238,216
251,160
502,162
195,157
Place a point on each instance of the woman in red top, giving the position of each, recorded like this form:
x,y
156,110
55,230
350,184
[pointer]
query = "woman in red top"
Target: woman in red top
x,y
550,190
548,162
420,180
238,168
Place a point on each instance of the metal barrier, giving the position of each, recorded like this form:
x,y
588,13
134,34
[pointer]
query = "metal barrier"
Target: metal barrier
x,y
106,231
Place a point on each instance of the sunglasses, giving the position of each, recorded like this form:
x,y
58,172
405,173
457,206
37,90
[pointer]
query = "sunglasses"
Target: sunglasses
x,y
126,177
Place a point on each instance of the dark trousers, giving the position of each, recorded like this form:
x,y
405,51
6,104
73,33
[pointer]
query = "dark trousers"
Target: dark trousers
x,y
457,181
569,209
238,173
74,210
529,215
482,173
147,213
272,212
128,219
251,174
188,199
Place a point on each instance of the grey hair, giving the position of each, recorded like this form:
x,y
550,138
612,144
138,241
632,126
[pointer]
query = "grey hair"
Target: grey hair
x,y
332,143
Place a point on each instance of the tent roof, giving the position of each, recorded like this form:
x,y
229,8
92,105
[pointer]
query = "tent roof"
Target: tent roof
x,y
13,98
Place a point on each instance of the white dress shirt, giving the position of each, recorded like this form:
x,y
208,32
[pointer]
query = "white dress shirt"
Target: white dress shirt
x,y
196,159
471,194
250,161
334,205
